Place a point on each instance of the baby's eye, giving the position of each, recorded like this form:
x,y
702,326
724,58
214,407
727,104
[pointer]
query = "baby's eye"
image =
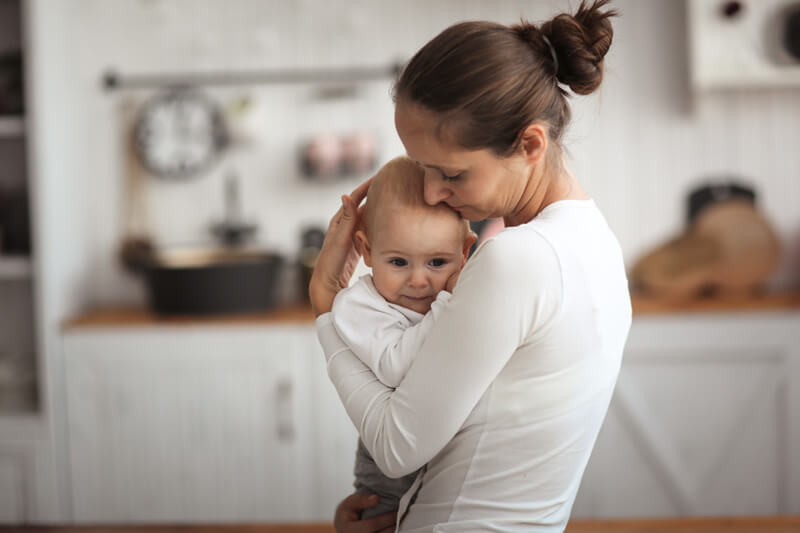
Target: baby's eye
x,y
398,261
438,262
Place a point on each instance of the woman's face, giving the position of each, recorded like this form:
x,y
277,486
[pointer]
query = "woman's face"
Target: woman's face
x,y
476,183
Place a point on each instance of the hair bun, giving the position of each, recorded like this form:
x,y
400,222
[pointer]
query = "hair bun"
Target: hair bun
x,y
580,43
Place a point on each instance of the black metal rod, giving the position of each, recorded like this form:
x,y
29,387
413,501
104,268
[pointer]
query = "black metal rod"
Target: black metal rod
x,y
112,80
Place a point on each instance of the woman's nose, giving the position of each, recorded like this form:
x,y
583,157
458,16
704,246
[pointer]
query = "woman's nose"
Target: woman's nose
x,y
435,190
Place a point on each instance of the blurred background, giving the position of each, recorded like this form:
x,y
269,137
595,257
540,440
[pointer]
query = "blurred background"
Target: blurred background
x,y
168,168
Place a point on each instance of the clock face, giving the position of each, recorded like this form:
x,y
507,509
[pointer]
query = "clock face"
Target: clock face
x,y
179,134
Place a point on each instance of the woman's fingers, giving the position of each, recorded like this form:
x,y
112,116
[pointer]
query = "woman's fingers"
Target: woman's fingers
x,y
349,210
349,509
358,501
351,202
382,523
360,192
339,256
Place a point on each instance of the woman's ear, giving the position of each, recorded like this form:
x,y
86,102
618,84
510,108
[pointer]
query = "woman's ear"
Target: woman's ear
x,y
534,142
362,245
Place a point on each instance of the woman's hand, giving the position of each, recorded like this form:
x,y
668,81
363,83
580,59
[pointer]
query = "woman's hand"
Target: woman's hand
x,y
349,509
339,256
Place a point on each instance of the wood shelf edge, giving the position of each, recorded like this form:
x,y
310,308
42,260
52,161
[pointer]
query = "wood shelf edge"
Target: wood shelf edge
x,y
124,317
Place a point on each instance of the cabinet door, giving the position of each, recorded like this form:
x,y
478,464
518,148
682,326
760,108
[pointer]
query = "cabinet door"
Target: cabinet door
x,y
188,425
335,440
704,421
13,475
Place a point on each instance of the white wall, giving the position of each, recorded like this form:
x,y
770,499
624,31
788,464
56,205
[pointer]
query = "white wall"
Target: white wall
x,y
638,146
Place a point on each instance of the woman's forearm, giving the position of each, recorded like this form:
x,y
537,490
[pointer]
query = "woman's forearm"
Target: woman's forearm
x,y
320,295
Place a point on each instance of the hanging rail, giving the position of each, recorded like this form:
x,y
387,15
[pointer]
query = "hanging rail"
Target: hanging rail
x,y
113,80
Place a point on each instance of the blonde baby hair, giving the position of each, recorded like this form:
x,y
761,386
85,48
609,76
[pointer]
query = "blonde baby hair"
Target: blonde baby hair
x,y
400,182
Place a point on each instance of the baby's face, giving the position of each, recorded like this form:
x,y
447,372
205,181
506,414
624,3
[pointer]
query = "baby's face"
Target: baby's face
x,y
413,253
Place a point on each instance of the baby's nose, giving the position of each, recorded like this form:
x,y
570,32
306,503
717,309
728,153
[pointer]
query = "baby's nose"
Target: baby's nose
x,y
418,278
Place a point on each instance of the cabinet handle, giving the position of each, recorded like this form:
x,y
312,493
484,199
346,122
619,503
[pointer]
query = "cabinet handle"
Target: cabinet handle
x,y
284,417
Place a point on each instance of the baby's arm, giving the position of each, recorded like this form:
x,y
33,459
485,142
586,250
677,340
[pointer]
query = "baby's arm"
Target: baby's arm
x,y
381,336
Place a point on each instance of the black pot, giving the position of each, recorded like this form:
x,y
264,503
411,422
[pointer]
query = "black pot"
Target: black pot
x,y
206,283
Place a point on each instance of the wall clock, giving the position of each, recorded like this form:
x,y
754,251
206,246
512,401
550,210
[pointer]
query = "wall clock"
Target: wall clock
x,y
179,133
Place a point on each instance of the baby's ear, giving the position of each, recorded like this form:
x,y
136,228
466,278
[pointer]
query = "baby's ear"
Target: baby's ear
x,y
469,240
362,245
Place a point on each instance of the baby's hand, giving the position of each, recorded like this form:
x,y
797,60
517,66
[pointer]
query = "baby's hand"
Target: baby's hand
x,y
451,281
468,242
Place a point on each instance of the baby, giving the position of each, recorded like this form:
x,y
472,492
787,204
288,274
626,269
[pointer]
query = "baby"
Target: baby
x,y
416,252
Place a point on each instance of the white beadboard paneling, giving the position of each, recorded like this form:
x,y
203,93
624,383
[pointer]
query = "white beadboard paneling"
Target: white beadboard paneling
x,y
336,439
703,421
12,483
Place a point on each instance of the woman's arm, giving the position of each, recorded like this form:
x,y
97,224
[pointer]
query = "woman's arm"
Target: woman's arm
x,y
491,312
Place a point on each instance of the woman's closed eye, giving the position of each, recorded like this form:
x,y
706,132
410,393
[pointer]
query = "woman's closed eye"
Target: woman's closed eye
x,y
454,177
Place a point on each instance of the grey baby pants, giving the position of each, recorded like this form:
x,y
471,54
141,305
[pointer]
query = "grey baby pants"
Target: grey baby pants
x,y
370,480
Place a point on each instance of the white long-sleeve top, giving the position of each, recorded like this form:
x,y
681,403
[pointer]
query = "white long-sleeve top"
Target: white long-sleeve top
x,y
506,397
384,336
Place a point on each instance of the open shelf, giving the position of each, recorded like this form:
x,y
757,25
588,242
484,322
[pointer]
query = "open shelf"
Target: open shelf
x,y
15,267
12,126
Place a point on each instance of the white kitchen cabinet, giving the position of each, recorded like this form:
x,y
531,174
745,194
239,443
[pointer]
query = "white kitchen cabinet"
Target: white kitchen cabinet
x,y
193,424
335,442
14,464
240,423
705,420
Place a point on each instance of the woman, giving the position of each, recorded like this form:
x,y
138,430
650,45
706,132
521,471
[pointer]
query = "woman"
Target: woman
x,y
505,400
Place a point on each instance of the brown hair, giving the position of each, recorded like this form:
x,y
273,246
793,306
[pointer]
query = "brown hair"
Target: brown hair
x,y
488,81
400,182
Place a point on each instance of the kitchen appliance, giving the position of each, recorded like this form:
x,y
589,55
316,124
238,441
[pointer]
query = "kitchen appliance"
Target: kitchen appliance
x,y
744,43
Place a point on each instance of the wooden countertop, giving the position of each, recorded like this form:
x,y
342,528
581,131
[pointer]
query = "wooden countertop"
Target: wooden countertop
x,y
772,524
143,317
773,301
642,305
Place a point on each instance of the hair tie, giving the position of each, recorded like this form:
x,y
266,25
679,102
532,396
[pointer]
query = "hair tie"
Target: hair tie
x,y
552,52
